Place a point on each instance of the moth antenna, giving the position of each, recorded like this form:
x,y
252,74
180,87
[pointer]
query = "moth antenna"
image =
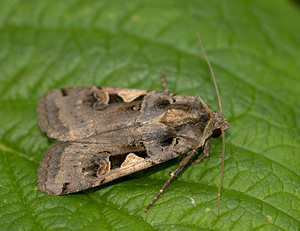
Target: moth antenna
x,y
220,111
211,72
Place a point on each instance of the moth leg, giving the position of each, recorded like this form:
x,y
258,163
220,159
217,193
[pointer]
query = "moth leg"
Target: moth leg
x,y
206,152
175,173
163,82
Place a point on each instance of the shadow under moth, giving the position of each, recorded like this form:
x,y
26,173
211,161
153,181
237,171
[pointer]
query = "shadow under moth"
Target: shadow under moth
x,y
105,133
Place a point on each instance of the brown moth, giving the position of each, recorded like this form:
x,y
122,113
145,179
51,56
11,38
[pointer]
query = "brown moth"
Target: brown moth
x,y
105,133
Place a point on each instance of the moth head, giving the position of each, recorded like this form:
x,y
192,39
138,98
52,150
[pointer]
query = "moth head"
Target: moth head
x,y
220,122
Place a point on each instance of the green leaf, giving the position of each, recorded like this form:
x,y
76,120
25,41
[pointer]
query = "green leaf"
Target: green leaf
x,y
254,50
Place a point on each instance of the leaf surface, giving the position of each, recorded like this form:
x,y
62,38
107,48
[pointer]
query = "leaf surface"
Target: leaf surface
x,y
254,50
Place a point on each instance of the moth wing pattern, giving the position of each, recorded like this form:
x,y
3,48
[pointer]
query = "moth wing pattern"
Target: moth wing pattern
x,y
69,167
71,113
106,133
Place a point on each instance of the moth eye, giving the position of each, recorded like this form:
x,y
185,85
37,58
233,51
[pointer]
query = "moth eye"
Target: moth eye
x,y
216,133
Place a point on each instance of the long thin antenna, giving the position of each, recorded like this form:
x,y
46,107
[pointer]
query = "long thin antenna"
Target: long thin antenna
x,y
211,72
220,111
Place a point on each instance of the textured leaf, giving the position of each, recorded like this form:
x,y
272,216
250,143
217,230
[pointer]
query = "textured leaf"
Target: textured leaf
x,y
254,49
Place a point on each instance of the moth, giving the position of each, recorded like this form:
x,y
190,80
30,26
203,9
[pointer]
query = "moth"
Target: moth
x,y
105,133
